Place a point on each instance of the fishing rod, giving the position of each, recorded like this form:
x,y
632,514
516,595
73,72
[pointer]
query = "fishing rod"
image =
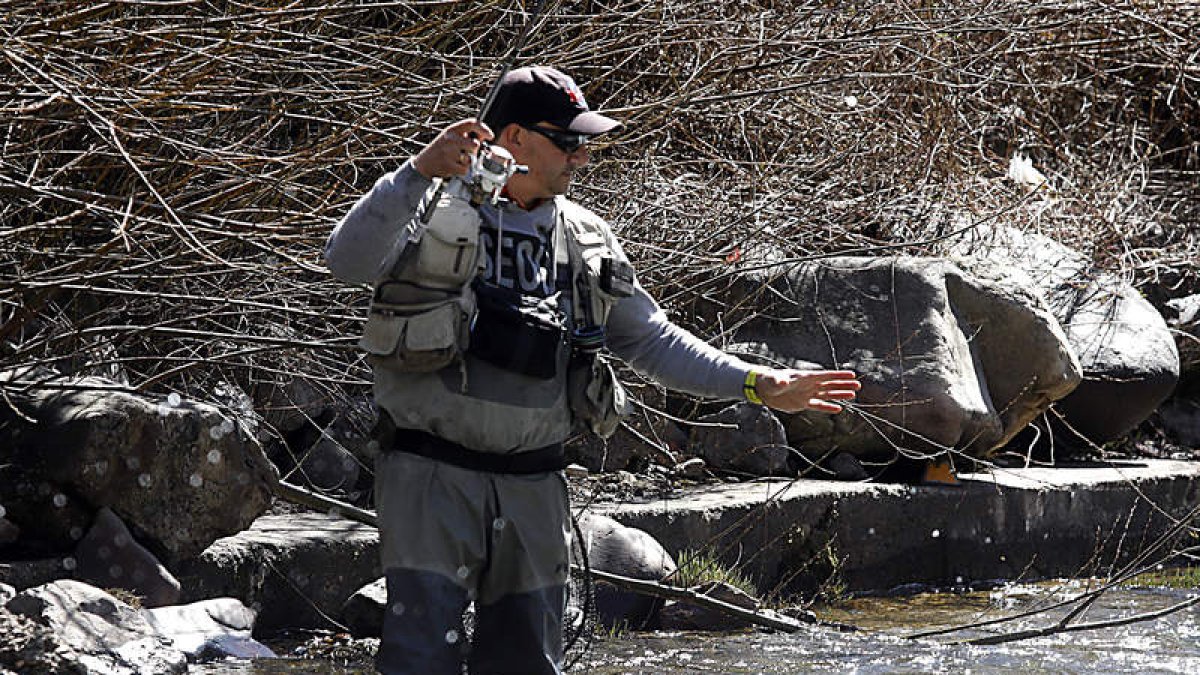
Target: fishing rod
x,y
526,31
492,165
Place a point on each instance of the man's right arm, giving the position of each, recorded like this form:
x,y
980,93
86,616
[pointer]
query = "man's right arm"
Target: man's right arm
x,y
365,245
367,241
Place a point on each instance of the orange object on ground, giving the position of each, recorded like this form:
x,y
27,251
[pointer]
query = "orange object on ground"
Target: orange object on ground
x,y
939,472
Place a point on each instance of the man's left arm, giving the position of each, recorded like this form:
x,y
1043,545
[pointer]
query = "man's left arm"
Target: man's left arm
x,y
640,333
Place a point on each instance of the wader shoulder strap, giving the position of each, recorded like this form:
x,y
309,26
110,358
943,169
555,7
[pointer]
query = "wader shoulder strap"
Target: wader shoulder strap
x,y
581,289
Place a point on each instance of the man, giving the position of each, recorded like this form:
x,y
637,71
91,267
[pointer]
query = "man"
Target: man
x,y
470,494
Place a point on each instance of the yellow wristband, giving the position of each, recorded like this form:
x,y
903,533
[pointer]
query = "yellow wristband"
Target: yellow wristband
x,y
750,388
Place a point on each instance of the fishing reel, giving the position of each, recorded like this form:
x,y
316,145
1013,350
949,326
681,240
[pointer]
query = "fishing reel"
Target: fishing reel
x,y
489,172
458,200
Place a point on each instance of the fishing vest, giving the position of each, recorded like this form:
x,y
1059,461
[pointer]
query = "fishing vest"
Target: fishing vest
x,y
430,318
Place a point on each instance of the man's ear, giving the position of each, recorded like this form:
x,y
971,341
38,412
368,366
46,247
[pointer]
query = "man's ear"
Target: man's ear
x,y
515,139
512,136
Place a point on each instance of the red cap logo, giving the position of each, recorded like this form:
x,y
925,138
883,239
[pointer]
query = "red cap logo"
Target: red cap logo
x,y
576,96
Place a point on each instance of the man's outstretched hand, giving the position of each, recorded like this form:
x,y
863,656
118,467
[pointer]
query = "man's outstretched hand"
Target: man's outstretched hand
x,y
796,390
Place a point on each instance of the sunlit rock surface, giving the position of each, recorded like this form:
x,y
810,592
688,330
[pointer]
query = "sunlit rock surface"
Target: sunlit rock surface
x,y
108,635
210,629
1036,523
1127,353
295,570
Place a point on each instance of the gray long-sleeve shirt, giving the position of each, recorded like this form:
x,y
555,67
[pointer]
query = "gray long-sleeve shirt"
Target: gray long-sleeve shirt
x,y
498,410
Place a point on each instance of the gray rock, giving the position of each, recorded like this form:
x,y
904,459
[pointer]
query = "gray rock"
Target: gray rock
x,y
933,345
363,611
636,442
296,570
6,593
47,515
1187,312
842,466
1128,356
108,557
576,471
691,469
219,647
328,465
289,403
179,475
109,635
29,647
1185,318
22,574
742,438
9,532
1180,418
216,628
629,552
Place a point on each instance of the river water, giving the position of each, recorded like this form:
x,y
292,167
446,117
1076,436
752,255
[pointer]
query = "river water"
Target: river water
x,y
1168,644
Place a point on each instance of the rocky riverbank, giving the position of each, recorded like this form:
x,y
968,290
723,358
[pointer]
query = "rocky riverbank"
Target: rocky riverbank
x,y
295,571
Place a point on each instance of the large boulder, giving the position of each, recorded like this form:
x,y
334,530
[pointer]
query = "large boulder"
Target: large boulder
x,y
108,635
180,474
934,347
1126,351
295,569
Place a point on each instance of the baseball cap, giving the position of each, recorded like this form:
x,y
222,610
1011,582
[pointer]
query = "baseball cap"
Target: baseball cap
x,y
540,93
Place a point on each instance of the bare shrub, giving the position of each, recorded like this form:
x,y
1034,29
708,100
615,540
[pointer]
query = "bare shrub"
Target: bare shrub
x,y
170,170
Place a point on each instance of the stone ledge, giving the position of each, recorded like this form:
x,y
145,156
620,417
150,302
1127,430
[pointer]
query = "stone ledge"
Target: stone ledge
x,y
1009,524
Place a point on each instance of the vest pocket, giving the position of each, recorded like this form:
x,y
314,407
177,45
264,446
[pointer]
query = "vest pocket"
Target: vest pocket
x,y
518,333
595,395
449,250
421,340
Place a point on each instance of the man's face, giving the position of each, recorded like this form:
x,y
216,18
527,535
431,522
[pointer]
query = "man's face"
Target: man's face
x,y
551,156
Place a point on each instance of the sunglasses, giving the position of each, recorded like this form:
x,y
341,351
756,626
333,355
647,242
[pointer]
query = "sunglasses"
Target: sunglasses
x,y
567,141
